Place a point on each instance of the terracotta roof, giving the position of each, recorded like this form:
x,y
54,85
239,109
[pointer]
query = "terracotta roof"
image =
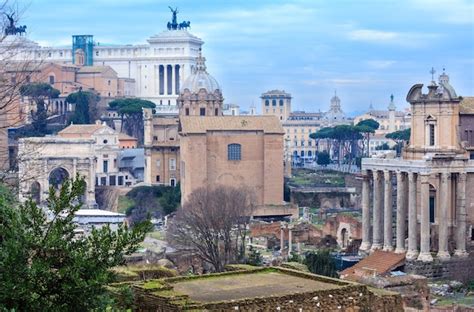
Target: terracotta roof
x,y
378,263
80,131
467,105
202,124
95,69
124,136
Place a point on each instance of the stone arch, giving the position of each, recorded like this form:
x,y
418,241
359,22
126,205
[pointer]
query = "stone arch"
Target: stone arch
x,y
344,238
57,177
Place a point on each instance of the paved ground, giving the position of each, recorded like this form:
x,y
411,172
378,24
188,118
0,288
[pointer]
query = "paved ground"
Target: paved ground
x,y
247,286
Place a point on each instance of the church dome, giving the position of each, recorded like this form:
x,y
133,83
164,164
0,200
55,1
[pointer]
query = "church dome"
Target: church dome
x,y
200,79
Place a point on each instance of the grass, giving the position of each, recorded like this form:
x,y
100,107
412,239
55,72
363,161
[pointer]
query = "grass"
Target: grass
x,y
320,178
160,235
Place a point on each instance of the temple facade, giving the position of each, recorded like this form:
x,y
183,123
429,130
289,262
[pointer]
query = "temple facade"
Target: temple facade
x,y
420,203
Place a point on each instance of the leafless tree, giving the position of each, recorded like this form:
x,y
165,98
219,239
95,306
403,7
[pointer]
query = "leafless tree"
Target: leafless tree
x,y
214,223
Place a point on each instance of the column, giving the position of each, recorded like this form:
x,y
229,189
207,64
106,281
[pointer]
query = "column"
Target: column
x,y
443,253
377,220
365,246
461,216
387,222
401,212
290,237
173,79
425,254
412,253
282,237
165,78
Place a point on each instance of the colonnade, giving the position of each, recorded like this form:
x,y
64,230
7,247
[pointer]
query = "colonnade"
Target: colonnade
x,y
169,79
409,184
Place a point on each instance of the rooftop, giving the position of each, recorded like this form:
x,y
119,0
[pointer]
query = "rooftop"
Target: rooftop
x,y
200,124
98,213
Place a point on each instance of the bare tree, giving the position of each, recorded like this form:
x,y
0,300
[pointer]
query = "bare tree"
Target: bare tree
x,y
214,223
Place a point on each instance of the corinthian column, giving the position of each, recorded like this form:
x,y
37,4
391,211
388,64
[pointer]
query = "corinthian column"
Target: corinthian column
x,y
461,216
425,254
443,253
377,225
401,212
387,223
412,253
365,246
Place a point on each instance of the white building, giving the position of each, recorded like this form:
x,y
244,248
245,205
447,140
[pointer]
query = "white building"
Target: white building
x,y
87,219
158,67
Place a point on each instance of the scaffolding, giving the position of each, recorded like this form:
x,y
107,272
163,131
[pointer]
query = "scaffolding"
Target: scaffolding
x,y
86,44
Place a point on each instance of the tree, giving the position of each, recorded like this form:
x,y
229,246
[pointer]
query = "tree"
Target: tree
x,y
368,127
382,147
321,262
44,266
130,110
40,93
85,111
213,223
323,158
254,258
401,137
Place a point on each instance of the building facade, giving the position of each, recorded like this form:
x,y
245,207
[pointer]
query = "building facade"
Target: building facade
x,y
434,208
158,67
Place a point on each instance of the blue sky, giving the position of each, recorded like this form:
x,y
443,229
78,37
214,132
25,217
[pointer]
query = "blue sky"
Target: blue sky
x,y
366,50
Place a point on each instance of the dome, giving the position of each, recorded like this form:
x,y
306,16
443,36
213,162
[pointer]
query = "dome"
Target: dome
x,y
200,79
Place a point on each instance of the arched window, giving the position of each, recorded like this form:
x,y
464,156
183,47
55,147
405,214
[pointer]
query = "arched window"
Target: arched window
x,y
234,152
274,103
267,103
281,102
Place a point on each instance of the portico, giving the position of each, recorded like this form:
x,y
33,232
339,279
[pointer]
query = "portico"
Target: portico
x,y
430,207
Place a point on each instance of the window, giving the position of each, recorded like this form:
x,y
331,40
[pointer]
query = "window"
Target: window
x,y
96,53
158,163
157,178
51,79
234,152
281,102
471,155
108,82
173,182
302,142
216,112
120,180
202,111
112,180
103,181
267,103
432,135
105,166
172,164
187,111
105,142
274,103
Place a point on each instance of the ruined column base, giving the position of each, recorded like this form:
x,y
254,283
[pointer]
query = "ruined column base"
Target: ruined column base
x,y
425,257
400,250
461,253
443,255
412,255
375,246
387,248
364,247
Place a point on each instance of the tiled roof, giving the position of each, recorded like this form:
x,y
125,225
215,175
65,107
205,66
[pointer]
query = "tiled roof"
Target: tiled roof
x,y
201,124
123,136
94,69
80,130
467,105
378,263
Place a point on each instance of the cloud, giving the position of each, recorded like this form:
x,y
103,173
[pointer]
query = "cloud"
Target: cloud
x,y
407,39
380,64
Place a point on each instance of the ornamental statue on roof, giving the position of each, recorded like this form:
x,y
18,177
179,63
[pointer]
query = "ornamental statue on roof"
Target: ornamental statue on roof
x,y
11,29
174,25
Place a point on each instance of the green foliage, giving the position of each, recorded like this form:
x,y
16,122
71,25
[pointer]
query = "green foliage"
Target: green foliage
x,y
400,135
323,158
85,103
254,257
44,266
368,125
321,263
154,200
39,90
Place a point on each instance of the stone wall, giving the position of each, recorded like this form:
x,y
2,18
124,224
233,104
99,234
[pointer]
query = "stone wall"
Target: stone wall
x,y
461,269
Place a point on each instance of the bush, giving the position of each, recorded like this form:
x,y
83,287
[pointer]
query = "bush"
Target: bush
x,y
321,262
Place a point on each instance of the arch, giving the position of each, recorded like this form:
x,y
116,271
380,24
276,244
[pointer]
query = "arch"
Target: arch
x,y
57,177
344,238
302,153
35,191
310,154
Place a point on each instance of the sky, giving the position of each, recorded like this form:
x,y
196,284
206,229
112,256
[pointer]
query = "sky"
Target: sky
x,y
364,50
